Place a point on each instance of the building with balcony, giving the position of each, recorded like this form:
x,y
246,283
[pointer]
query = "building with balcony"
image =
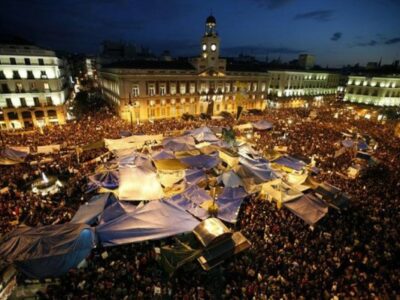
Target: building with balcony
x,y
148,90
379,90
33,86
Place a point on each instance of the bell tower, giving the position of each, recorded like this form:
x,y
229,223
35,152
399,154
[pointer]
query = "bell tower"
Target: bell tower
x,y
210,44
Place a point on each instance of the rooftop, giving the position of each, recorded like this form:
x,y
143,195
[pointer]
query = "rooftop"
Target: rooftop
x,y
149,64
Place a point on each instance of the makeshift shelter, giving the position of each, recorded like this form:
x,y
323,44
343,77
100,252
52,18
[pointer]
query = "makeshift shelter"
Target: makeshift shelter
x,y
203,134
308,207
139,183
11,156
47,251
230,179
202,161
162,154
229,202
290,163
116,210
155,220
262,125
258,169
90,212
195,176
170,171
181,143
107,179
332,195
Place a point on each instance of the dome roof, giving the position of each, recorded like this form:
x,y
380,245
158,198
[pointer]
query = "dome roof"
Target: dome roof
x,y
211,19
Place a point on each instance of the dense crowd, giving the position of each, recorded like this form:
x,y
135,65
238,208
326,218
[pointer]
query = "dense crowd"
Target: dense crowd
x,y
350,253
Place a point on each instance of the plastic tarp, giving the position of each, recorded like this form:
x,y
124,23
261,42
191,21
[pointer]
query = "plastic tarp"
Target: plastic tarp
x,y
116,210
258,169
362,145
134,158
262,125
9,156
155,220
162,154
309,208
132,142
229,202
203,134
180,143
290,162
202,161
231,179
194,176
89,213
47,251
107,179
139,183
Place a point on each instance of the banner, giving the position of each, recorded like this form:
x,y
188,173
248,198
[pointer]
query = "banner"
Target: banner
x,y
48,149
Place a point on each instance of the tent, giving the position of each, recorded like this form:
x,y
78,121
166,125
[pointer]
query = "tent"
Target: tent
x,y
230,179
202,161
47,251
258,169
89,213
180,143
195,176
116,210
229,202
262,125
162,154
203,134
139,183
155,220
11,156
308,207
133,158
348,143
290,162
107,179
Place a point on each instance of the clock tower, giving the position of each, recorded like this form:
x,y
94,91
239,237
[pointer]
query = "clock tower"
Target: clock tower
x,y
210,45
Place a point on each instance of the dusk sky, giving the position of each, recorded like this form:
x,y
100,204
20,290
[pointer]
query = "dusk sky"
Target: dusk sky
x,y
337,32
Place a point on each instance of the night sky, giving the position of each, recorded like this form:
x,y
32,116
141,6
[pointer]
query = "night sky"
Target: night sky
x,y
336,31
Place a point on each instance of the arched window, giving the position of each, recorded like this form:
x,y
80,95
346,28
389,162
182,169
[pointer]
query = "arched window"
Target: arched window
x,y
39,114
52,113
12,115
26,114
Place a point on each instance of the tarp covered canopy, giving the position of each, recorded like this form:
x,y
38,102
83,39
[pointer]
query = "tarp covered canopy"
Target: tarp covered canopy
x,y
202,134
155,220
229,202
308,207
139,183
180,143
262,125
202,161
230,179
132,142
116,210
258,169
90,212
171,164
47,251
290,162
10,156
195,176
162,154
107,179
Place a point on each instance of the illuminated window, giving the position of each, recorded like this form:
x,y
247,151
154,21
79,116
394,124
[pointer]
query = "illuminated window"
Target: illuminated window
x,y
182,88
135,91
43,75
46,86
152,90
163,90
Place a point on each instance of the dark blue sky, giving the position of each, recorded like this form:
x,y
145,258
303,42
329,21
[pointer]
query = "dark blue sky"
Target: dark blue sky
x,y
337,31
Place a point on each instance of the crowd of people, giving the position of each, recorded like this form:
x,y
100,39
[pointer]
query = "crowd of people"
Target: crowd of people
x,y
353,252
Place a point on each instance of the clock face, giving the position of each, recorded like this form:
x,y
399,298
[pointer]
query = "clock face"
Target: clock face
x,y
204,47
213,47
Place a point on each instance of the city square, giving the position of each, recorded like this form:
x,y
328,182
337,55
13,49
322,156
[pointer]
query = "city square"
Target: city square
x,y
128,175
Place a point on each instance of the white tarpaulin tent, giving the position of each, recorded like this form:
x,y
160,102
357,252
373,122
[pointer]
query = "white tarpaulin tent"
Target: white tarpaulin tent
x,y
139,183
153,221
132,142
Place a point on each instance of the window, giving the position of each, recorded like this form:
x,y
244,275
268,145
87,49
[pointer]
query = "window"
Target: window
x,y
19,88
27,61
4,88
152,90
49,101
39,114
12,116
13,61
192,88
30,75
9,103
26,115
43,75
52,114
182,88
2,76
135,91
36,101
46,86
16,75
23,102
172,89
163,90
41,61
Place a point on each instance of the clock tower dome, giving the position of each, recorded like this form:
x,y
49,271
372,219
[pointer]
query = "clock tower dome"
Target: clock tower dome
x,y
210,45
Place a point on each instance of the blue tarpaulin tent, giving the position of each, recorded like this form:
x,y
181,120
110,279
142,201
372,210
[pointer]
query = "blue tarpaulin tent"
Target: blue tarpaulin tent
x,y
9,156
202,134
202,161
155,220
191,199
180,143
194,176
229,202
108,179
258,169
262,125
47,251
162,154
309,208
290,162
90,212
116,210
